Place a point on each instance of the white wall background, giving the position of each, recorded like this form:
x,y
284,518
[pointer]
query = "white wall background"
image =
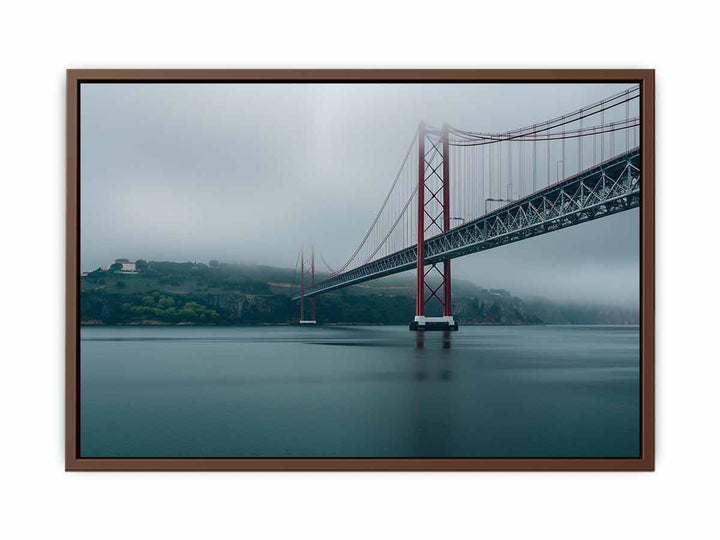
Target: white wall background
x,y
38,41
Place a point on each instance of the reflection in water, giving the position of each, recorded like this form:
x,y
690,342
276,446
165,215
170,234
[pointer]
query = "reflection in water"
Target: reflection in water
x,y
420,339
420,369
446,368
446,339
433,407
446,373
359,392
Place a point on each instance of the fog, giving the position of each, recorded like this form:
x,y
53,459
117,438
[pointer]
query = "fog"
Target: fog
x,y
250,172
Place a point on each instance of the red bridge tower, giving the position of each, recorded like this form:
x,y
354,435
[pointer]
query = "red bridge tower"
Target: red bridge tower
x,y
433,197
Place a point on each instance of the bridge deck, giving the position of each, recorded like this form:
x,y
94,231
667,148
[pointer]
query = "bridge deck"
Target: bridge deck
x,y
608,188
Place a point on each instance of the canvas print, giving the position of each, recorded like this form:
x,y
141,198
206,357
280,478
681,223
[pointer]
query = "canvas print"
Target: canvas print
x,y
359,270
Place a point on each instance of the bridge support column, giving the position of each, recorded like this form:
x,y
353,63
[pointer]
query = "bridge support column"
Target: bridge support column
x,y
433,155
420,271
447,280
312,283
302,285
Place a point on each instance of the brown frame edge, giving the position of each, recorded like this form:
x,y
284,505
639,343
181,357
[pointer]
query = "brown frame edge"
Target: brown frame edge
x,y
646,79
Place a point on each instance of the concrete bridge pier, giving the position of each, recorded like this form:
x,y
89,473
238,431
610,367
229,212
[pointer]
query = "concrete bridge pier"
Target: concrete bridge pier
x,y
423,324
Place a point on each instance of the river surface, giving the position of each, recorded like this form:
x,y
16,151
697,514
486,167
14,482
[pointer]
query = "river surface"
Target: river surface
x,y
484,391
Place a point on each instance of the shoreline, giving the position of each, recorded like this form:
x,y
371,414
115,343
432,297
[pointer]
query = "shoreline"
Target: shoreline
x,y
342,324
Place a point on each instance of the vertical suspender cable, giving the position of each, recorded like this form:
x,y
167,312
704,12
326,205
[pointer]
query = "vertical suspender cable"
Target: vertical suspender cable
x,y
562,167
602,135
534,166
580,147
547,175
627,118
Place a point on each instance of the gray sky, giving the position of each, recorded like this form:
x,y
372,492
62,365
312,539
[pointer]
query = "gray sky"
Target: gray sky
x,y
249,172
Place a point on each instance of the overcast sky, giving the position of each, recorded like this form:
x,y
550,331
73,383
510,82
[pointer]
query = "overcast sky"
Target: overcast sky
x,y
249,172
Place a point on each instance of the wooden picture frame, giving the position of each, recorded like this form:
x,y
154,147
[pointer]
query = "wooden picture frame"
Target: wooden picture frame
x,y
646,80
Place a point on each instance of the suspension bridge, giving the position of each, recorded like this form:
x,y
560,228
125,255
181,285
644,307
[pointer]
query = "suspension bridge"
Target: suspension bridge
x,y
460,192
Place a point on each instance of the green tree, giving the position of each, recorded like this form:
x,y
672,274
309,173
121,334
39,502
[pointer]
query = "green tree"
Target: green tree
x,y
166,301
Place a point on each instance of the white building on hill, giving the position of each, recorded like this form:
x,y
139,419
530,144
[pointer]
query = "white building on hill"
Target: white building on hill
x,y
128,266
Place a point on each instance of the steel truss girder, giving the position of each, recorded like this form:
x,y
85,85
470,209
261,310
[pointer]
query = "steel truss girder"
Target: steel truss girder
x,y
608,188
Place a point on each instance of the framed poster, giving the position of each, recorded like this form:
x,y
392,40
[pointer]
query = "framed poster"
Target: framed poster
x,y
360,270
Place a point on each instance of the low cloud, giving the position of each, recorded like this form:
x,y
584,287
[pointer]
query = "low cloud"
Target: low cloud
x,y
249,172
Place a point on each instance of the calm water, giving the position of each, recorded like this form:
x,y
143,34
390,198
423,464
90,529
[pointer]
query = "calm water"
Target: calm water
x,y
360,391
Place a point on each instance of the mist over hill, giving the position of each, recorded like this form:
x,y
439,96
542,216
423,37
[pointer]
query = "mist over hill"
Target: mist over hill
x,y
163,292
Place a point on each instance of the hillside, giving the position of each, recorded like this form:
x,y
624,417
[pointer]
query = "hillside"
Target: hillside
x,y
230,294
577,313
